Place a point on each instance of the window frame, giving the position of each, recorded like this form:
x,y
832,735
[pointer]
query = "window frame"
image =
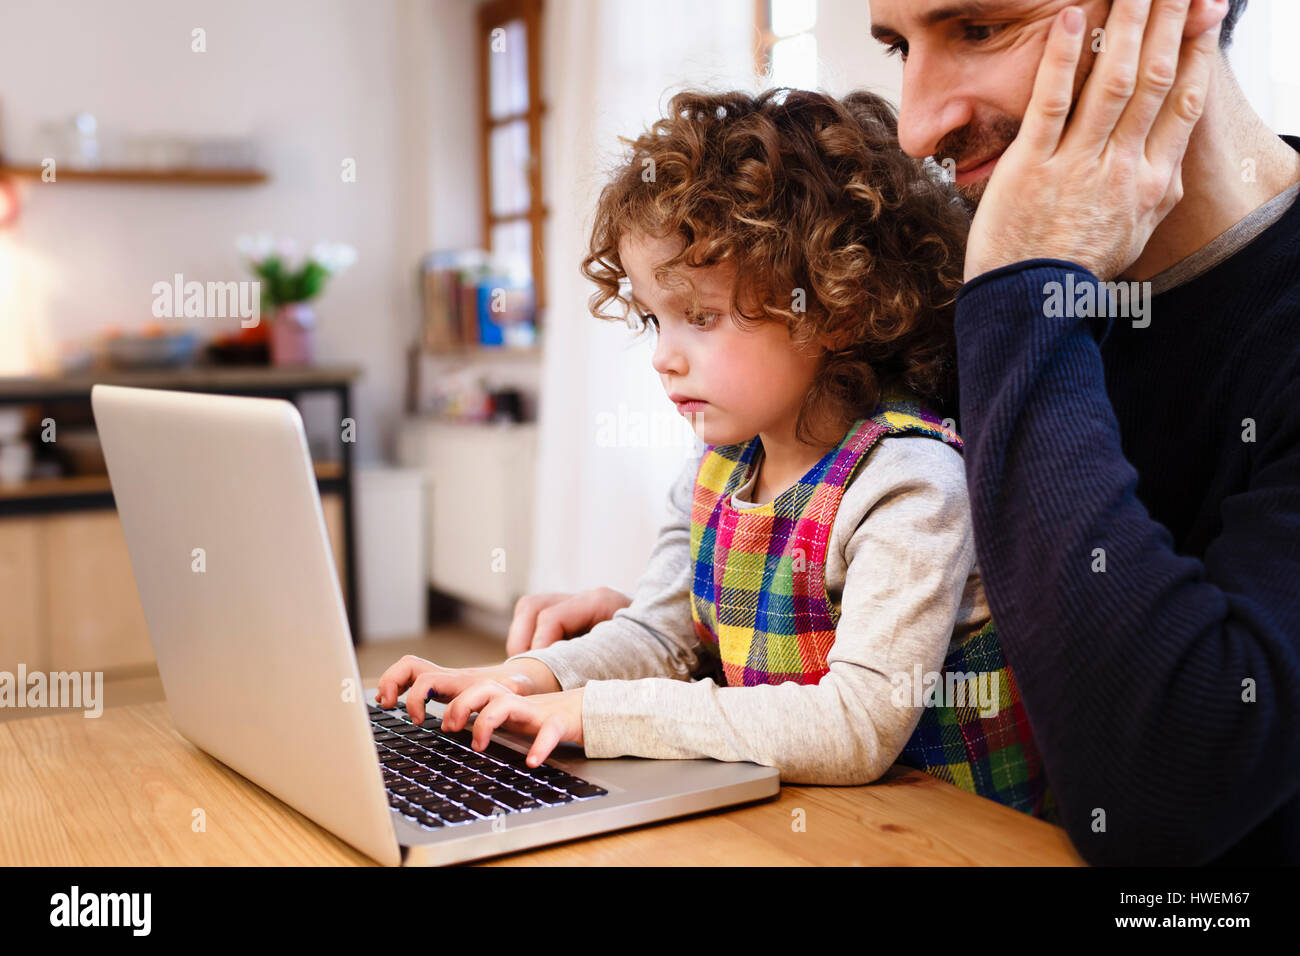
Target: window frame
x,y
491,15
764,38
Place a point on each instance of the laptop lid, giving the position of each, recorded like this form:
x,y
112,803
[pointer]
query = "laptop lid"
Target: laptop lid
x,y
227,540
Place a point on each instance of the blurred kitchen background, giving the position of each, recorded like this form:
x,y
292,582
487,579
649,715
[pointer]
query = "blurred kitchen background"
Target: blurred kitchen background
x,y
411,181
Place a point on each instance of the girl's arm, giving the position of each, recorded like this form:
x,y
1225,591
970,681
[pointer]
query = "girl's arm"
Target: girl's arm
x,y
904,531
654,636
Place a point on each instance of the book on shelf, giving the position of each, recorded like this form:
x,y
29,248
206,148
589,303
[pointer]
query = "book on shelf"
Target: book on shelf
x,y
471,301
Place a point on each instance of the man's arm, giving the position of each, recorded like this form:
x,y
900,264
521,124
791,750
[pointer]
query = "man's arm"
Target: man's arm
x,y
1134,678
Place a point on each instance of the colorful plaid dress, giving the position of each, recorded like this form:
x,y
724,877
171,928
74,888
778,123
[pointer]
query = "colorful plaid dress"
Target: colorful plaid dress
x,y
763,615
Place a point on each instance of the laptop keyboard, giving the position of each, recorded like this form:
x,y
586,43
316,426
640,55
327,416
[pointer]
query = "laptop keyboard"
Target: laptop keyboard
x,y
436,779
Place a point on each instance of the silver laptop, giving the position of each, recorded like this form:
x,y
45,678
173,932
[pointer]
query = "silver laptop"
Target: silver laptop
x,y
223,523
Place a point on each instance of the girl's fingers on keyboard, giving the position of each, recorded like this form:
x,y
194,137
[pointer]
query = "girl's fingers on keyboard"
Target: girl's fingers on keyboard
x,y
548,738
441,684
398,677
497,711
419,693
472,698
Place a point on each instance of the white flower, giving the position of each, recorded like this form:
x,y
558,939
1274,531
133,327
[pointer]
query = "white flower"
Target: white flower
x,y
286,250
345,256
256,249
333,257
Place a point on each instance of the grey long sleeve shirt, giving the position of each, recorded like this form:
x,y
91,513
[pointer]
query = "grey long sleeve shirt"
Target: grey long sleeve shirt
x,y
901,561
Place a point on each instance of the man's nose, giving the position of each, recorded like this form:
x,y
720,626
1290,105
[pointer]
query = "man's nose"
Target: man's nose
x,y
933,104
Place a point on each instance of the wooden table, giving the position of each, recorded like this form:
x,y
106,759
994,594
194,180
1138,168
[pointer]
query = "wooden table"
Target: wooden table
x,y
122,789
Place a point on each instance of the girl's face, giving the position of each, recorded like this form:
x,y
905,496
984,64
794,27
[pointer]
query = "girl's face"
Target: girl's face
x,y
731,383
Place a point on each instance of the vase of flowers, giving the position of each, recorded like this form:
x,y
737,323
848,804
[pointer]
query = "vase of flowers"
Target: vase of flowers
x,y
289,281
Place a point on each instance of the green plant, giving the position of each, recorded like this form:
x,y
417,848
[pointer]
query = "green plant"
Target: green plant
x,y
286,277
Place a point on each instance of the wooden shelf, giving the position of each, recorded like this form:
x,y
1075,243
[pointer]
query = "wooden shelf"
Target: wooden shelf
x,y
488,351
229,379
46,487
127,174
326,471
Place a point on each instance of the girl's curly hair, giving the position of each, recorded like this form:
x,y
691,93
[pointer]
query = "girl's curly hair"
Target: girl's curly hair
x,y
832,229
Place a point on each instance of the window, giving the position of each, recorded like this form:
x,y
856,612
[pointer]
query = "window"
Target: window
x,y
787,49
511,139
1268,71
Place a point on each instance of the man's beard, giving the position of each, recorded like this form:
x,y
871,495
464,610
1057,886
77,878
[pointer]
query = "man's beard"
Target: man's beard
x,y
971,142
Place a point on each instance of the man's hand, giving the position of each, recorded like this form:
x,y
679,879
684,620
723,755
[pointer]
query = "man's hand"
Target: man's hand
x,y
541,620
1095,192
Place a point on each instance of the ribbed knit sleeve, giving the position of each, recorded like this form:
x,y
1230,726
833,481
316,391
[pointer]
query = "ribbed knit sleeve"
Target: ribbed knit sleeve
x,y
1163,689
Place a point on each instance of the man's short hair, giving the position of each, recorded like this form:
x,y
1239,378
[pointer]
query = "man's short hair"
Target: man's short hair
x,y
1235,9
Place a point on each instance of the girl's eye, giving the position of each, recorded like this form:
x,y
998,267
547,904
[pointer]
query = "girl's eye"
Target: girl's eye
x,y
649,318
705,317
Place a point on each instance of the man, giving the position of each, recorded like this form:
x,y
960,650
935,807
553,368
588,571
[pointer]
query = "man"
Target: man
x,y
1132,451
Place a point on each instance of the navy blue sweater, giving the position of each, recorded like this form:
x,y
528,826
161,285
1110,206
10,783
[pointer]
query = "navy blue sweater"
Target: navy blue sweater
x,y
1085,434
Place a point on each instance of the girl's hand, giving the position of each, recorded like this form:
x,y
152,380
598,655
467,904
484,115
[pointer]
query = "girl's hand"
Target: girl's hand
x,y
550,718
425,680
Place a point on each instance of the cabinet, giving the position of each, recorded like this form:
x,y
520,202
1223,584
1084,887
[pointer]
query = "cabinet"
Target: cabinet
x,y
69,598
22,599
93,617
479,482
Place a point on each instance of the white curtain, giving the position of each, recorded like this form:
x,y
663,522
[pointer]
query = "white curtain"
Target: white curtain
x,y
610,442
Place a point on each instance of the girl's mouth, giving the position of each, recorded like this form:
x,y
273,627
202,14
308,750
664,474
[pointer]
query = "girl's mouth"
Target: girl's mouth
x,y
691,406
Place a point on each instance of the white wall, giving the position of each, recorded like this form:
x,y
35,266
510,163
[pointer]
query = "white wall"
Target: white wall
x,y
610,68
850,58
456,211
316,81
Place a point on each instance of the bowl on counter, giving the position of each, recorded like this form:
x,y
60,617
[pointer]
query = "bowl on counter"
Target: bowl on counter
x,y
160,350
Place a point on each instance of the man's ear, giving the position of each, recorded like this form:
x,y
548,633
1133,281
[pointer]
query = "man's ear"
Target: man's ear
x,y
1202,15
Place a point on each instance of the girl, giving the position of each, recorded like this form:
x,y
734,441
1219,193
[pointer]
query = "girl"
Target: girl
x,y
799,271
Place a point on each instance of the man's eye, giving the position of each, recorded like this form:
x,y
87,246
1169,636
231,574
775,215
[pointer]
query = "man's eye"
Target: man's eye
x,y
979,32
897,48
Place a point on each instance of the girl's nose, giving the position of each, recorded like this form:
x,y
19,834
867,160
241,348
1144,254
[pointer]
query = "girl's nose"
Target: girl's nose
x,y
668,358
